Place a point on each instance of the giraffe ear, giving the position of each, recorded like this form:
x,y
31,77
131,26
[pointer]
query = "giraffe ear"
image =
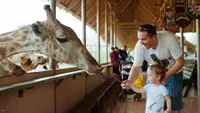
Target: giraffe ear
x,y
35,29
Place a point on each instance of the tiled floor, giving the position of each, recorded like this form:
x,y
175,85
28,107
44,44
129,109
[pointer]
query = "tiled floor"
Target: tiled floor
x,y
131,106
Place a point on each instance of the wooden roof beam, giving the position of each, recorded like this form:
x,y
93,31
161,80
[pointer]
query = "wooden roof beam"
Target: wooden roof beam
x,y
73,4
126,5
163,5
111,8
145,9
131,23
90,15
92,2
93,16
77,8
67,2
125,27
162,8
148,6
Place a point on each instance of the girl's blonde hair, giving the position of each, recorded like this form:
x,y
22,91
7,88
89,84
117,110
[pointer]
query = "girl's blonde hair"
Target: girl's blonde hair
x,y
158,70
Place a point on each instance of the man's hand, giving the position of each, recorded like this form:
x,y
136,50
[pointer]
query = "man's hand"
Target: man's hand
x,y
126,84
164,81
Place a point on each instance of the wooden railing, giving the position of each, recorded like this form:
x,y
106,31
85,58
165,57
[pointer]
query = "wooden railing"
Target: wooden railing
x,y
46,91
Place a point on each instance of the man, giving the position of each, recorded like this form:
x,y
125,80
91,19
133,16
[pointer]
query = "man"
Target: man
x,y
165,48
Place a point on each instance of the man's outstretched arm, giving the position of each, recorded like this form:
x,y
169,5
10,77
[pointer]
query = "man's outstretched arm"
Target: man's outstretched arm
x,y
134,72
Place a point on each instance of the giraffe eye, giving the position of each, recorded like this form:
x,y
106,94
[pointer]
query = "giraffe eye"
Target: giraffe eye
x,y
62,40
35,29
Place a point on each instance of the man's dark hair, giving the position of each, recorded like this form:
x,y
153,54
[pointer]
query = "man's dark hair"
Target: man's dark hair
x,y
151,30
112,48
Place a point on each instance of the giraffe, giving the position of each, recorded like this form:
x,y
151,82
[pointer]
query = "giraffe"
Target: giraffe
x,y
8,68
52,39
20,64
29,61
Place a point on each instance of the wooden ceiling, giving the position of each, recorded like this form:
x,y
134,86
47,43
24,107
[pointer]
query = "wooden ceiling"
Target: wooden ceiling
x,y
128,14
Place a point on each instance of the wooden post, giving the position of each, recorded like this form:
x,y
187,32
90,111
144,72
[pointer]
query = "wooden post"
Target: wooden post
x,y
53,61
198,60
106,28
114,31
83,2
182,39
111,29
98,31
53,6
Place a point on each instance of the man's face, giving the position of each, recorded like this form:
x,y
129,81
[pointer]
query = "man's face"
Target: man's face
x,y
144,39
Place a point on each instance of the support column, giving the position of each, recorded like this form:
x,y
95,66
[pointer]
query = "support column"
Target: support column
x,y
114,30
182,39
111,29
116,33
53,61
106,28
98,31
53,6
198,60
83,19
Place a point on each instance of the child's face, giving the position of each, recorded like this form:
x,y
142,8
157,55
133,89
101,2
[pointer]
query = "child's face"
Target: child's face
x,y
153,77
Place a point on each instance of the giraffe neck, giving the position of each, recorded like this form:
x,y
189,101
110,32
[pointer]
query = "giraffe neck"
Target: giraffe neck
x,y
19,41
8,68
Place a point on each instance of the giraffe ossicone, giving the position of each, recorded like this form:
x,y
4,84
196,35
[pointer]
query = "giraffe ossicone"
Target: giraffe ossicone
x,y
52,39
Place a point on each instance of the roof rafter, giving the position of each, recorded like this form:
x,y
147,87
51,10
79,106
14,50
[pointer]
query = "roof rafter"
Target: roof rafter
x,y
145,9
72,5
126,5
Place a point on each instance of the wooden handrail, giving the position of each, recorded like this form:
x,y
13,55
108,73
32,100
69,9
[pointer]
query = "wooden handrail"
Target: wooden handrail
x,y
39,80
43,79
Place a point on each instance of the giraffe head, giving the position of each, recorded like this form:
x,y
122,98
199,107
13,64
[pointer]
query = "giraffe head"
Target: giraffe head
x,y
63,44
30,61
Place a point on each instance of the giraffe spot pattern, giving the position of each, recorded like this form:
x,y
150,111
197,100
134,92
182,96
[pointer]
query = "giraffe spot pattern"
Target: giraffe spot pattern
x,y
11,49
2,51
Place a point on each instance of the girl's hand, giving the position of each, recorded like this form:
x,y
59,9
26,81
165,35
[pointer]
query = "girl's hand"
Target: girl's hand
x,y
126,84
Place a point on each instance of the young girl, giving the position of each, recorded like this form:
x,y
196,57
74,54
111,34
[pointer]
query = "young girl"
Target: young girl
x,y
156,92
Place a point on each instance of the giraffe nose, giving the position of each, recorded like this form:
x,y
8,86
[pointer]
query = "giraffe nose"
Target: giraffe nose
x,y
29,62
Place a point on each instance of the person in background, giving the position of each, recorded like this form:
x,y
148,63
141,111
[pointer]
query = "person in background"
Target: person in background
x,y
114,57
123,54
